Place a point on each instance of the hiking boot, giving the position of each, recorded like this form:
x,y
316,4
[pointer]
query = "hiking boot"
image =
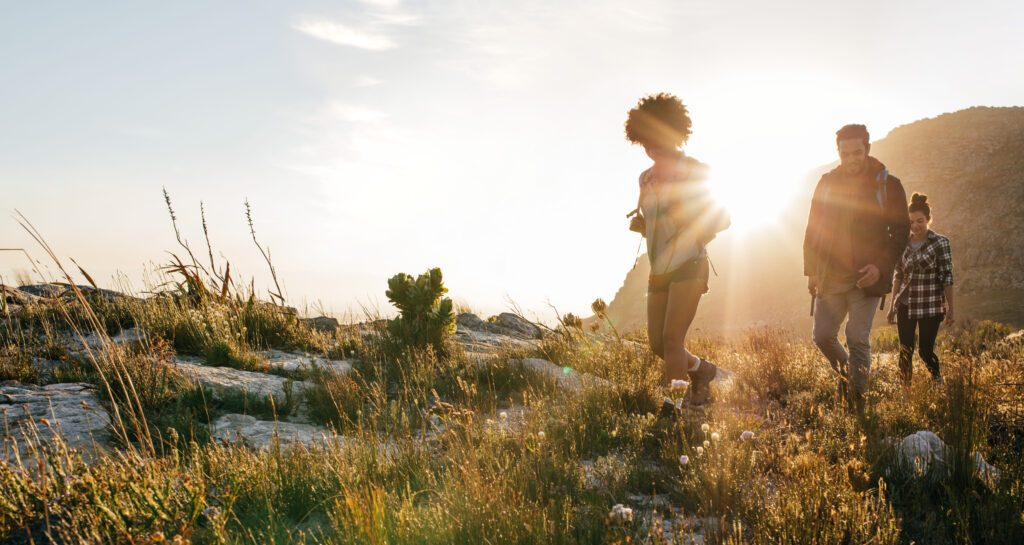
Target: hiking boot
x,y
700,383
668,410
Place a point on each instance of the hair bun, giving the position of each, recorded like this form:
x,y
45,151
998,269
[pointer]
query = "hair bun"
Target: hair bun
x,y
919,198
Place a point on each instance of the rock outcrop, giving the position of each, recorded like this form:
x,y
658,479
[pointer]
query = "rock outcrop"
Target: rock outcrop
x,y
71,409
261,434
227,379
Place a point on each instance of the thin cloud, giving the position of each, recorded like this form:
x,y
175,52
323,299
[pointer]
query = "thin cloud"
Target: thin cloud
x,y
340,34
396,18
385,4
352,112
366,81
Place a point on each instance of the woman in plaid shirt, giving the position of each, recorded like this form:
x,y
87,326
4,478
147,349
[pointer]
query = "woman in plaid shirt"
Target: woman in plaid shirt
x,y
923,281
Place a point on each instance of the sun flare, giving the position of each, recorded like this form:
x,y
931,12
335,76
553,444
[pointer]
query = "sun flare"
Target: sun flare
x,y
755,196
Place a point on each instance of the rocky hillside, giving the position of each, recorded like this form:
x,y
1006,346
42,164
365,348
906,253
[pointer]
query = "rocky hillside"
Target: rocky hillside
x,y
970,164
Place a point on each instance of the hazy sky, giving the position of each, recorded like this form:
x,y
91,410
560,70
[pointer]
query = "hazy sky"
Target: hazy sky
x,y
484,137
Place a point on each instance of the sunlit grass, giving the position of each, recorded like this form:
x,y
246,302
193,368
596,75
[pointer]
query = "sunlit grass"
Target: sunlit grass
x,y
444,447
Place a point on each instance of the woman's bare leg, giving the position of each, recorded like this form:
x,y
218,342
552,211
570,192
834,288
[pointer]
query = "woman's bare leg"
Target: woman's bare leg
x,y
656,302
683,298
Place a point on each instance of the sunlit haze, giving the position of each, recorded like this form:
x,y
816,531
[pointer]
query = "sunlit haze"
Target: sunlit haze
x,y
485,138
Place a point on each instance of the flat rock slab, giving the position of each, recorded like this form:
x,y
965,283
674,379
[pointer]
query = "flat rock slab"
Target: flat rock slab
x,y
71,409
288,361
566,378
506,324
79,345
486,341
260,434
226,379
16,296
43,290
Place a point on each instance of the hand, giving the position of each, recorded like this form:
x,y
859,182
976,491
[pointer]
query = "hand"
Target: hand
x,y
813,284
638,224
891,317
871,275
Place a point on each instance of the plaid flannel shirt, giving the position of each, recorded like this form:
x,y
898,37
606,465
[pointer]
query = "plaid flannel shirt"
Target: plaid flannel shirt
x,y
922,275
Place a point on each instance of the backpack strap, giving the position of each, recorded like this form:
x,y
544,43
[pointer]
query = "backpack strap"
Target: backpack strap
x,y
882,188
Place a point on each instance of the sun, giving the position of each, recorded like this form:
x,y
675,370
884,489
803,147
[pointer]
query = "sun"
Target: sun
x,y
756,195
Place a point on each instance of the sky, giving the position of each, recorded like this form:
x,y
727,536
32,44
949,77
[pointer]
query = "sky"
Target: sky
x,y
484,137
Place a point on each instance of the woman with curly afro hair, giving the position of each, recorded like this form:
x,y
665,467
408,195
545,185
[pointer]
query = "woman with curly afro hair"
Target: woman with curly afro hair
x,y
678,217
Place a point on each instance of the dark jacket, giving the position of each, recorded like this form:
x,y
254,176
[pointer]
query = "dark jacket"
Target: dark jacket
x,y
879,226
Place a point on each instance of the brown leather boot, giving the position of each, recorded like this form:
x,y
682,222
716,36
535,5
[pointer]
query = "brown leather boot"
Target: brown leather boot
x,y
700,382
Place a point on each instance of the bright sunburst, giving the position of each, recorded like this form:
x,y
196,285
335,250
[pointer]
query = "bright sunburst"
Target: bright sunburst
x,y
755,193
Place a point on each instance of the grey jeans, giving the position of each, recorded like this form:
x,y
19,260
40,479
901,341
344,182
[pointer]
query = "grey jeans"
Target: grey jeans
x,y
829,312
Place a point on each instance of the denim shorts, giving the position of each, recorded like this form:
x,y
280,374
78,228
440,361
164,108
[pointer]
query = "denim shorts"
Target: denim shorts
x,y
694,269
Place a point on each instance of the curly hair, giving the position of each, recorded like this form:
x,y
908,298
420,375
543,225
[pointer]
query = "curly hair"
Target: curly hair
x,y
661,120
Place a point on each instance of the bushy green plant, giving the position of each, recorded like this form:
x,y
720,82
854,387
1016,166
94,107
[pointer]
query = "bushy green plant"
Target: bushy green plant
x,y
425,317
972,338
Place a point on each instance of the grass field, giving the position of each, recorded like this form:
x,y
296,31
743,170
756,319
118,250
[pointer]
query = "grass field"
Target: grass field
x,y
452,449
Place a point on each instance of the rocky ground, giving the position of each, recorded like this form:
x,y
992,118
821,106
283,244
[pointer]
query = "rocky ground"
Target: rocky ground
x,y
74,413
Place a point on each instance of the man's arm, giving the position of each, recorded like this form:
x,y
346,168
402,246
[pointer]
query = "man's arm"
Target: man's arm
x,y
898,223
897,281
812,234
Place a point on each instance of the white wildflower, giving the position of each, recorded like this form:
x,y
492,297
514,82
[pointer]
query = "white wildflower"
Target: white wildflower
x,y
503,415
700,451
707,444
683,460
705,428
541,434
715,437
679,383
747,435
621,512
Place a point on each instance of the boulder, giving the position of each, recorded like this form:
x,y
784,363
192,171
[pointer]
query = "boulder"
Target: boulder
x,y
514,325
920,451
924,452
469,320
322,323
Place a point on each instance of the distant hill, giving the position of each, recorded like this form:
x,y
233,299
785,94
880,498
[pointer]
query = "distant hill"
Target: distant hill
x,y
970,164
